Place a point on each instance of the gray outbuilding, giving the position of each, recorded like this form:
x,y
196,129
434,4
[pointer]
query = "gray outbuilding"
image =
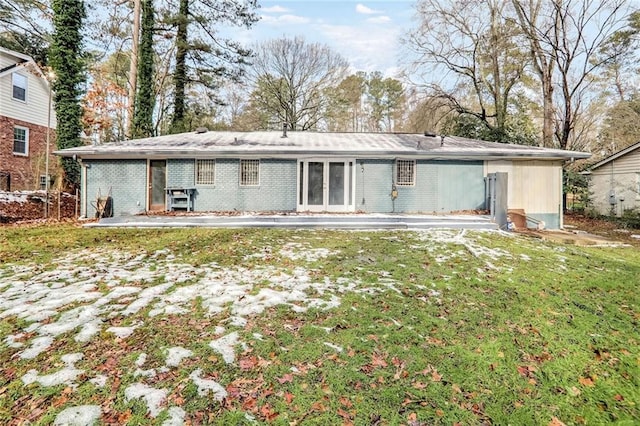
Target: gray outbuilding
x,y
614,182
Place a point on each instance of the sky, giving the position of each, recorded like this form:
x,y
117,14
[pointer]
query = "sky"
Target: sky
x,y
366,33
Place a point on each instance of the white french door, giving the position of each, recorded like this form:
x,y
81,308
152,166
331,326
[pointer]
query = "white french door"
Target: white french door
x,y
326,185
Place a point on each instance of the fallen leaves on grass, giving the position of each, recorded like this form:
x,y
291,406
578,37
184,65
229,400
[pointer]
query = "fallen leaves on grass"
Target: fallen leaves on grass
x,y
587,381
287,378
288,397
433,372
268,413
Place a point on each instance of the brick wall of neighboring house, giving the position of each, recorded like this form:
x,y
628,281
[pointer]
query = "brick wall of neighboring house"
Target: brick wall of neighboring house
x,y
25,171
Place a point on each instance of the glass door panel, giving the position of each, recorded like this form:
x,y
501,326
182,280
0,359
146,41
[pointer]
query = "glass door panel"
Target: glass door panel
x,y
157,184
325,185
336,184
315,183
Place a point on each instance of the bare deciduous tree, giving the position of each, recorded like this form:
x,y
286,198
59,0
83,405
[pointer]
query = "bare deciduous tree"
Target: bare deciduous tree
x,y
291,76
466,48
564,37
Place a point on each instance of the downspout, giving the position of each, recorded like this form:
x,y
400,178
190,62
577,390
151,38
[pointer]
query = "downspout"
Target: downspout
x,y
612,191
83,190
363,180
394,189
561,210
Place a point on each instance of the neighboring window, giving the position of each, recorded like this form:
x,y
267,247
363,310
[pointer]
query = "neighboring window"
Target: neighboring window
x,y
405,172
637,185
19,87
249,172
20,141
205,172
43,182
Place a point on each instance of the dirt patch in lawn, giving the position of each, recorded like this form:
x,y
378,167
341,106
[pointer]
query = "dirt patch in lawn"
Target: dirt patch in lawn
x,y
578,223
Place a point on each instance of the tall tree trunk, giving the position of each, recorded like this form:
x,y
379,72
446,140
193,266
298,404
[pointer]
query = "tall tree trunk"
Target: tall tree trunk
x,y
145,99
548,119
543,63
180,74
68,64
133,68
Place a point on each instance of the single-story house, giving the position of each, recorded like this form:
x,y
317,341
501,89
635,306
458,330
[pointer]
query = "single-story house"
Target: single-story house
x,y
318,172
614,183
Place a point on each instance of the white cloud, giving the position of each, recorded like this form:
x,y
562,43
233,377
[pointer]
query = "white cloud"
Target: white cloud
x,y
274,9
365,48
284,19
379,20
361,8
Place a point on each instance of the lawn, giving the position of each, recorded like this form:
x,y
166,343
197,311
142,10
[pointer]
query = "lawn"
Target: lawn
x,y
203,326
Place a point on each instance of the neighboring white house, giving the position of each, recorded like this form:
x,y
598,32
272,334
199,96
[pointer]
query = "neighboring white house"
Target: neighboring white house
x,y
615,182
25,121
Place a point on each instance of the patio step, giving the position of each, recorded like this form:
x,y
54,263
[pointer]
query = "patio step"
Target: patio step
x,y
302,221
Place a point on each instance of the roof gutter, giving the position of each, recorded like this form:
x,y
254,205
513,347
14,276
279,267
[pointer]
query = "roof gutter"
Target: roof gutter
x,y
439,155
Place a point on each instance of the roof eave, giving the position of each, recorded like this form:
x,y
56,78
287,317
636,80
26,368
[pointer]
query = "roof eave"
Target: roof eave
x,y
615,156
430,155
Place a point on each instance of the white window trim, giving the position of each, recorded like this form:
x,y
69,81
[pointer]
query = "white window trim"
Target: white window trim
x,y
26,141
198,161
26,87
253,161
413,172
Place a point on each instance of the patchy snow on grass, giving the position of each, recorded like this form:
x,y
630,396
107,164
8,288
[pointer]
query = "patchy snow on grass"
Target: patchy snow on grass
x,y
334,347
122,332
82,415
99,381
224,346
150,373
205,386
70,293
80,297
12,340
298,251
38,345
176,355
88,293
66,375
176,417
154,398
447,239
142,358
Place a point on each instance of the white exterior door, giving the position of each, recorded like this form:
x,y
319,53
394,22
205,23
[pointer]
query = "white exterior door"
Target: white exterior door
x,y
326,185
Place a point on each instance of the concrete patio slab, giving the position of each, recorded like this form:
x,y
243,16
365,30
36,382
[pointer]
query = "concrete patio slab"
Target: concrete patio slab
x,y
301,221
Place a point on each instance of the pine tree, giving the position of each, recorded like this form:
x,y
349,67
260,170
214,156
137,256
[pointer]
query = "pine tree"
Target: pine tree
x,y
67,61
203,56
180,73
145,99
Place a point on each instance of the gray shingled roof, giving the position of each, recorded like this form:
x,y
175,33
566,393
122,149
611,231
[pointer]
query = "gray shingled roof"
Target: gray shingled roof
x,y
612,157
305,144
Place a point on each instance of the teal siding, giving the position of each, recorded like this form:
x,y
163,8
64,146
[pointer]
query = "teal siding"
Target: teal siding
x,y
440,187
277,189
373,186
551,220
181,173
461,185
125,179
